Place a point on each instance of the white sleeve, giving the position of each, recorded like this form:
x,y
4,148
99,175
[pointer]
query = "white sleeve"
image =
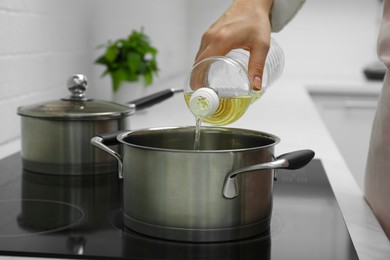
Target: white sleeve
x,y
283,11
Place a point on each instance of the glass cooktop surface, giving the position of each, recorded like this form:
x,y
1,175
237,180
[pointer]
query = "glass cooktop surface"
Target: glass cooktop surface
x,y
81,217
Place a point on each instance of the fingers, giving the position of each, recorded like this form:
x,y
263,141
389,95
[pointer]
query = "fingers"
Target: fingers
x,y
244,25
258,48
214,44
256,63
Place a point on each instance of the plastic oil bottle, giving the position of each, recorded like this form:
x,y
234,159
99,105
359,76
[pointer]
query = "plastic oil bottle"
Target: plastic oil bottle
x,y
218,89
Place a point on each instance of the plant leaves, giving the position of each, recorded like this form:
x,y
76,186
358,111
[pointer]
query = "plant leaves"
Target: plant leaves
x,y
132,77
101,60
117,78
111,53
129,58
133,61
148,77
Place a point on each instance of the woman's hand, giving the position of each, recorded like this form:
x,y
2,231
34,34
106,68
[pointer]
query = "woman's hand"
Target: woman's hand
x,y
246,25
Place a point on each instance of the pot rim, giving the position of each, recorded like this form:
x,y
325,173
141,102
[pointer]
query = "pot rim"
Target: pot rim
x,y
125,134
63,110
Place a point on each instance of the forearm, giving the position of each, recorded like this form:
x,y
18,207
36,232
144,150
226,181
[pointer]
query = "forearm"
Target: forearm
x,y
262,6
281,12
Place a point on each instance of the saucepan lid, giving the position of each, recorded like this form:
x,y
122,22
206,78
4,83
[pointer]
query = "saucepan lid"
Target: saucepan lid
x,y
77,106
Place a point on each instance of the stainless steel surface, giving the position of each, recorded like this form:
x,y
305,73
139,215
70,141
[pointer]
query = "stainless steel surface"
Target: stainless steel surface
x,y
231,190
77,106
174,192
77,85
56,134
98,142
180,90
290,161
63,147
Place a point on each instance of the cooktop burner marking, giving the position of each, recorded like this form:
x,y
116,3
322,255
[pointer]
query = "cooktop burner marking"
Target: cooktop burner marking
x,y
26,217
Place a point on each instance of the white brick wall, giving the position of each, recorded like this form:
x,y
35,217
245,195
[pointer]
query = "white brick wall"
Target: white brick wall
x,y
36,55
43,42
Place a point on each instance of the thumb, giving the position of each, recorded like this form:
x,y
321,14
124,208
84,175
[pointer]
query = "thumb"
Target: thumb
x,y
256,66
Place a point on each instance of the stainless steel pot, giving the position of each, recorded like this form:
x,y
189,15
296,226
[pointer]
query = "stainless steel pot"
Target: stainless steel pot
x,y
55,135
174,192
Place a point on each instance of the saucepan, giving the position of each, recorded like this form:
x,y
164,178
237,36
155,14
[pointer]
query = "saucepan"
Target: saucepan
x,y
221,192
55,135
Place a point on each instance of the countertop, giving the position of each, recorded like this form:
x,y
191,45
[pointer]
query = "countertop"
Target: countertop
x,y
287,111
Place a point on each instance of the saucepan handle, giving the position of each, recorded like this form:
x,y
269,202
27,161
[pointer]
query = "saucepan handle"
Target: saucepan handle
x,y
293,160
150,100
103,141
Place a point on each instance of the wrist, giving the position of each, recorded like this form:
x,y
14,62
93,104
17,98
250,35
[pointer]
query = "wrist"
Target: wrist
x,y
263,6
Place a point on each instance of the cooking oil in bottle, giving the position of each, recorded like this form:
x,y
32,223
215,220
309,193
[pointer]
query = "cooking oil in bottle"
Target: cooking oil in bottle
x,y
219,89
229,109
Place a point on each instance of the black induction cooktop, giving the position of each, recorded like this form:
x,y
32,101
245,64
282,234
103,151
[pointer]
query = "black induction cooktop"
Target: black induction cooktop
x,y
81,217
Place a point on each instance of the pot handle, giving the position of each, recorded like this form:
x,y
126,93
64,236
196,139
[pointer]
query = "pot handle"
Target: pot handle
x,y
150,100
103,141
291,161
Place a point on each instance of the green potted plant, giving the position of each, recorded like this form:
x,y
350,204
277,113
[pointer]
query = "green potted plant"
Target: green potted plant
x,y
129,59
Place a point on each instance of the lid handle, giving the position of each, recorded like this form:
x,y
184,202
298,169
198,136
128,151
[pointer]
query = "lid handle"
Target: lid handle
x,y
77,85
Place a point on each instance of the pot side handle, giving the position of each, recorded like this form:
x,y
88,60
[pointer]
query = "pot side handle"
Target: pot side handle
x,y
103,141
291,161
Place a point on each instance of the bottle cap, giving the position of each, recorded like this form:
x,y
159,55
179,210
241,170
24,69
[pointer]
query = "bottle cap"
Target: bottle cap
x,y
204,102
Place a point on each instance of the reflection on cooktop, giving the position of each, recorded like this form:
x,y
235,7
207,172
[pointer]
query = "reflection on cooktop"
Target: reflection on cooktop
x,y
142,246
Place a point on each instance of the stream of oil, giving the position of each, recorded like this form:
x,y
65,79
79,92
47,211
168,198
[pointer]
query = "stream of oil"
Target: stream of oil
x,y
198,127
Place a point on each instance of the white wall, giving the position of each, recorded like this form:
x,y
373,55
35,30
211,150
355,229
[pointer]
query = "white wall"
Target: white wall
x,y
332,39
43,42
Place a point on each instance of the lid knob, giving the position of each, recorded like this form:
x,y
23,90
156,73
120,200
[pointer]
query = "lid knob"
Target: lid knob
x,y
77,85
